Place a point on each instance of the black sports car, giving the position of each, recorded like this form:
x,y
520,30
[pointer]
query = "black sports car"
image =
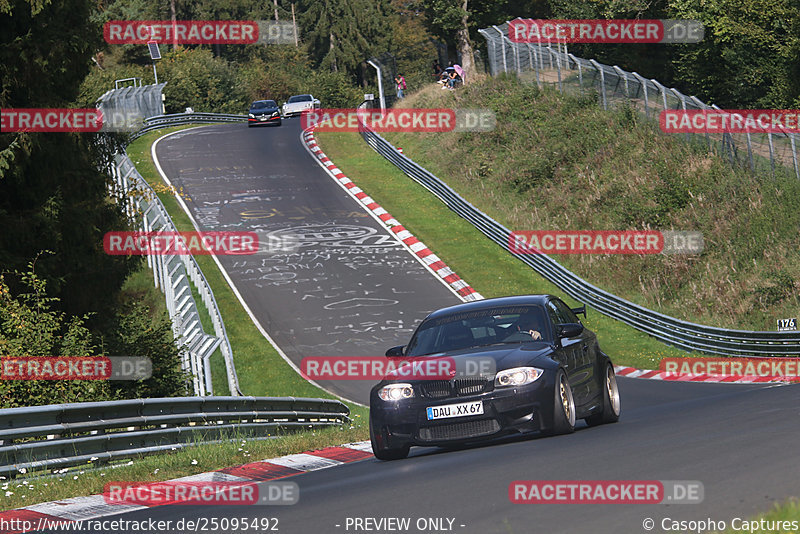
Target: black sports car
x,y
264,112
549,372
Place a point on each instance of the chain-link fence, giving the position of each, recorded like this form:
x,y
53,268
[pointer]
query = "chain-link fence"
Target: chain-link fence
x,y
553,65
125,109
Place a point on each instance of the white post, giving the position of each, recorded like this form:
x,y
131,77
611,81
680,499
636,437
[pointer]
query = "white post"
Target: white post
x,y
380,83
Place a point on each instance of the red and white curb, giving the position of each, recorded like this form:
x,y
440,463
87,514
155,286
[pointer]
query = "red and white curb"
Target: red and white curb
x,y
431,260
95,506
632,372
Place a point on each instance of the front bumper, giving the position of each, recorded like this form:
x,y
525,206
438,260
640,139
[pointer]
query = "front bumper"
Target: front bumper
x,y
263,119
506,411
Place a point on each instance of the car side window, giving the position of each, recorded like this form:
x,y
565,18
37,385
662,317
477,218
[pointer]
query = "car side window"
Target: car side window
x,y
565,312
555,314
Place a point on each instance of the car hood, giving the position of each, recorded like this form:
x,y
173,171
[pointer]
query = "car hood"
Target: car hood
x,y
298,104
504,356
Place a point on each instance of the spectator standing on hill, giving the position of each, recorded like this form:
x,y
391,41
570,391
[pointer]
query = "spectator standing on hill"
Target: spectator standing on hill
x,y
401,85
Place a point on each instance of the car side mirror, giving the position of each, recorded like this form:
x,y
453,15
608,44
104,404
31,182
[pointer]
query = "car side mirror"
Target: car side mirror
x,y
395,352
581,310
569,330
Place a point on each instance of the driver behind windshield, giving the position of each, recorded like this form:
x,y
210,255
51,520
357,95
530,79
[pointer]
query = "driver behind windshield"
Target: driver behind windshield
x,y
526,325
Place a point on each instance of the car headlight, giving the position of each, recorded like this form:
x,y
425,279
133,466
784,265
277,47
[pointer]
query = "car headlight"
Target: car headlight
x,y
517,376
274,113
251,115
396,392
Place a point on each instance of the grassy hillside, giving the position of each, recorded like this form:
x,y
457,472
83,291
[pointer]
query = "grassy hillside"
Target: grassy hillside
x,y
559,162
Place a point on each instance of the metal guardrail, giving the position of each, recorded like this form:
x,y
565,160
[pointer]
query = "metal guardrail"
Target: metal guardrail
x,y
172,274
64,435
177,119
683,334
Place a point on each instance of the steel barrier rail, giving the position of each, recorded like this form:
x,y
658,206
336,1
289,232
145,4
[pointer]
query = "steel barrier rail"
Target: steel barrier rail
x,y
177,119
683,334
169,275
65,435
172,274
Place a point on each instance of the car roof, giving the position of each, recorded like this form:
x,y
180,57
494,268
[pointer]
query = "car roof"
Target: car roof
x,y
519,300
261,101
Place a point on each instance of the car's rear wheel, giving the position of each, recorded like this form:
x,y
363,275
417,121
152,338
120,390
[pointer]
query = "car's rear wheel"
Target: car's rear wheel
x,y
563,407
611,404
385,453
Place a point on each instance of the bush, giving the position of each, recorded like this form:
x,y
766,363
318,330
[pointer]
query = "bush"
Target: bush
x,y
196,79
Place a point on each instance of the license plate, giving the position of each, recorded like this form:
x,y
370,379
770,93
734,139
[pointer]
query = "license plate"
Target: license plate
x,y
455,410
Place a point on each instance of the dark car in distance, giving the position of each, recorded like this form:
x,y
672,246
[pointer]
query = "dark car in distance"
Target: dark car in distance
x,y
264,112
548,372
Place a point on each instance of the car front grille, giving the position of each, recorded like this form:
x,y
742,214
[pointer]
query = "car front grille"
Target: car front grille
x,y
442,389
471,429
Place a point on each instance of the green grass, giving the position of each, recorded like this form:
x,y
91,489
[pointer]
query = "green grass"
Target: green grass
x,y
490,270
559,162
782,519
89,480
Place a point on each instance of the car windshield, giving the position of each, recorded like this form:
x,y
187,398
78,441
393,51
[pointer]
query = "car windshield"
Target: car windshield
x,y
502,325
263,104
300,98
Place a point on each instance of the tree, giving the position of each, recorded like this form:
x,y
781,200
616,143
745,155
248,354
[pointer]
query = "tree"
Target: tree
x,y
450,18
345,32
458,21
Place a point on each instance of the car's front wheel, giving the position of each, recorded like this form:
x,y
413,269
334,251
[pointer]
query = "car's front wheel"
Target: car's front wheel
x,y
611,405
385,453
563,407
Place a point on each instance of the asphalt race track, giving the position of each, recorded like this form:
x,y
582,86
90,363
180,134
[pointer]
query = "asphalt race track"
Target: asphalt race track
x,y
346,286
737,440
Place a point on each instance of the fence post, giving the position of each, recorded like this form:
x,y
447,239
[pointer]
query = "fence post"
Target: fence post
x,y
492,53
771,153
502,47
580,72
794,156
534,64
596,65
682,100
643,83
621,74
